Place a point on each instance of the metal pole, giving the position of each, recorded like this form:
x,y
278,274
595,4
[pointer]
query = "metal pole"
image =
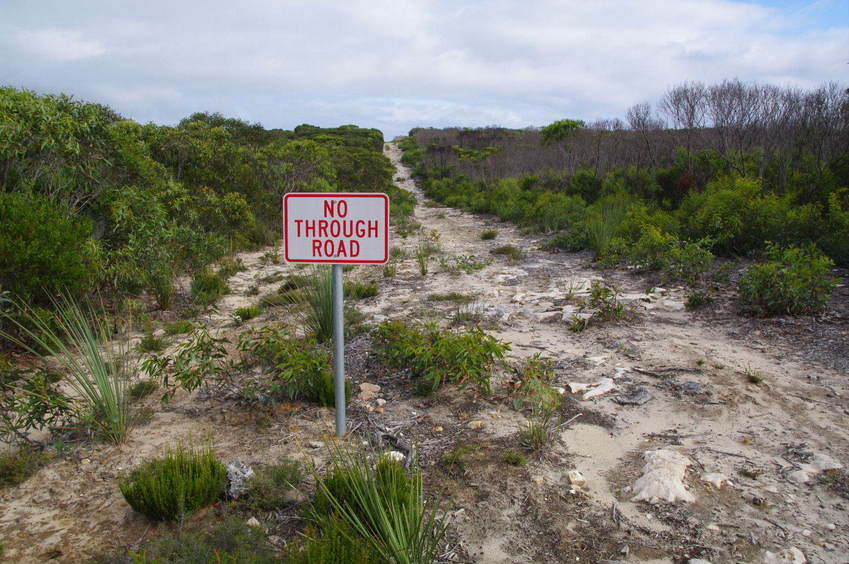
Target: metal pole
x,y
339,347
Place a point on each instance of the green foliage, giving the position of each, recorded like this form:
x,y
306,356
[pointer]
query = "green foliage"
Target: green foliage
x,y
489,234
792,281
534,392
455,297
142,389
151,343
332,540
76,340
179,327
510,251
360,290
514,458
383,504
560,131
174,486
246,313
30,399
437,356
197,362
300,369
422,257
458,457
16,466
229,541
318,298
266,489
229,266
44,249
463,263
208,288
605,306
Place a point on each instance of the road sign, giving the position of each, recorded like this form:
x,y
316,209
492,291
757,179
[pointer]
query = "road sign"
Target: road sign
x,y
336,228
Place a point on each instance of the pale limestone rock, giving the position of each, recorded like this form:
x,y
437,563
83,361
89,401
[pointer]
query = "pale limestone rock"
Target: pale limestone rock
x,y
663,478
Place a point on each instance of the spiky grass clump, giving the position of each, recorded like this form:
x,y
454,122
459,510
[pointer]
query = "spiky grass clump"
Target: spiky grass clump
x,y
383,504
95,370
172,487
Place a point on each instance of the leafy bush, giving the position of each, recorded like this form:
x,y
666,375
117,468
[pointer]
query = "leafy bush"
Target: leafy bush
x,y
266,489
246,313
208,287
229,266
793,280
44,249
195,363
229,541
510,251
360,290
174,486
383,504
151,343
179,327
332,540
17,466
142,389
489,234
437,356
300,369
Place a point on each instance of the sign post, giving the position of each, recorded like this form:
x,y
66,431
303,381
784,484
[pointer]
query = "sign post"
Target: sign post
x,y
337,229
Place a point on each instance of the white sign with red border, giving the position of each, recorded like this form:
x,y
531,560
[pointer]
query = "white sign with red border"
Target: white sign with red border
x,y
350,228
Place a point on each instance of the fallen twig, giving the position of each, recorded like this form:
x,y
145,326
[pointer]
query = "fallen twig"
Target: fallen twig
x,y
569,421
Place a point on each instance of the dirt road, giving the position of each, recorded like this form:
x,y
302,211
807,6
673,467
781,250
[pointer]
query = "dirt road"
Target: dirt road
x,y
751,410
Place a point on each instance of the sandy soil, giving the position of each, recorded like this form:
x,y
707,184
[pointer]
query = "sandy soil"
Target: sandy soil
x,y
694,367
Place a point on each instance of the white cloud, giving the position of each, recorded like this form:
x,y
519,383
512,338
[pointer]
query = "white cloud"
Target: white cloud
x,y
59,45
400,63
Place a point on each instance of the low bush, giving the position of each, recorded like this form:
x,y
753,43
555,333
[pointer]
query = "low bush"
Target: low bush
x,y
383,504
142,389
18,465
332,540
510,251
266,489
208,288
489,234
174,486
360,290
151,343
229,266
299,369
436,356
792,281
228,541
198,362
179,327
456,297
242,314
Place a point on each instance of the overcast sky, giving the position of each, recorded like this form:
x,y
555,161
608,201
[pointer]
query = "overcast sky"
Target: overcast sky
x,y
398,64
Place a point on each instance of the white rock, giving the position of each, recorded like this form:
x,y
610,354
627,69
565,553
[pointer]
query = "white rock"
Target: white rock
x,y
576,478
716,478
559,390
315,444
698,561
663,478
476,424
578,387
395,456
380,402
368,391
377,318
790,555
671,305
603,386
819,463
252,522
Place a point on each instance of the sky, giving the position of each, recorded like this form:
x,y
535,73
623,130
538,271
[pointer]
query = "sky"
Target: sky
x,y
398,64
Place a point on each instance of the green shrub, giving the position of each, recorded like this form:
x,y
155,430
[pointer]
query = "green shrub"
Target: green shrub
x,y
208,287
142,389
17,466
456,297
489,234
229,266
510,251
44,249
300,369
229,541
174,486
437,356
514,458
179,327
332,540
151,343
360,290
195,363
793,280
266,489
246,313
383,504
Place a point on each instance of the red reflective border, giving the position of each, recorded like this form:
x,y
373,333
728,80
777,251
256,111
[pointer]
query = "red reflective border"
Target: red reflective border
x,y
324,195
